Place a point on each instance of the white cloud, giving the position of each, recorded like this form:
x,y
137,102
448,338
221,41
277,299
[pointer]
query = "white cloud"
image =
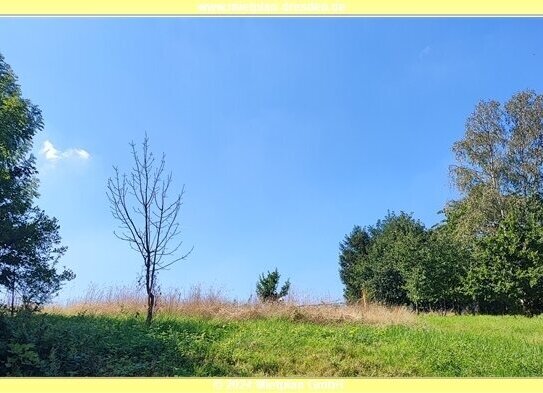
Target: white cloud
x,y
49,151
80,153
52,154
425,52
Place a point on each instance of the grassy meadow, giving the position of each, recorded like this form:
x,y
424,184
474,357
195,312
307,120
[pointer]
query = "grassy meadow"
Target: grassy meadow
x,y
207,336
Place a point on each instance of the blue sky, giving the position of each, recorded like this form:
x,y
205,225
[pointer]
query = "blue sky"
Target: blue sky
x,y
286,132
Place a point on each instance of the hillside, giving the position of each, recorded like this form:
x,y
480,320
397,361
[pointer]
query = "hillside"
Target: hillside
x,y
288,344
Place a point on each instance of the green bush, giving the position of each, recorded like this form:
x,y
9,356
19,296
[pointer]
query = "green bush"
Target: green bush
x,y
267,287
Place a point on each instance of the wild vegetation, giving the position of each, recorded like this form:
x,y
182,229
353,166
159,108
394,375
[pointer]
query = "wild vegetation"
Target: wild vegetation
x,y
211,304
485,257
268,340
30,244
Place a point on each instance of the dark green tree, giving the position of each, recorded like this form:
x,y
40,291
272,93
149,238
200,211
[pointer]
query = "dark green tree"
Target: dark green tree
x,y
354,247
267,287
507,276
397,241
399,262
374,260
435,281
29,239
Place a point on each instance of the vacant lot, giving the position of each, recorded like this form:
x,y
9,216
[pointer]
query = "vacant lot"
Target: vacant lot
x,y
288,342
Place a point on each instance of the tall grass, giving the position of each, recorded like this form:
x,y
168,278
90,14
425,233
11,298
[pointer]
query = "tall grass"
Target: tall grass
x,y
212,304
203,333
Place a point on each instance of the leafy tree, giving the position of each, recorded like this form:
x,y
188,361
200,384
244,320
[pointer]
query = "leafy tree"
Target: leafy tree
x,y
499,171
395,249
500,156
148,220
481,154
508,274
374,260
524,115
352,249
487,253
435,282
267,287
30,273
29,239
399,262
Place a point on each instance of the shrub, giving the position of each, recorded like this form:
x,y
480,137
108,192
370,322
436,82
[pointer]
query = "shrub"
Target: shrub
x,y
267,287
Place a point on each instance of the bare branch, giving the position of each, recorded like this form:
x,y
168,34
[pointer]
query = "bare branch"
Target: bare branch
x,y
148,220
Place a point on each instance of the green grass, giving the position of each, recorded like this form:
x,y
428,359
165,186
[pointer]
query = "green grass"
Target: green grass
x,y
474,346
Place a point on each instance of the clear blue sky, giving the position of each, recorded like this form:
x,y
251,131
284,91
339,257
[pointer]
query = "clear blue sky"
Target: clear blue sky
x,y
286,132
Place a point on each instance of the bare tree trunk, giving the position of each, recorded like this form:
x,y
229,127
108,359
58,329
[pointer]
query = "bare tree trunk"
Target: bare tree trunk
x,y
150,307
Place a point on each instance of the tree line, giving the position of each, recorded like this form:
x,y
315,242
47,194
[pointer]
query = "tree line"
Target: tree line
x,y
486,255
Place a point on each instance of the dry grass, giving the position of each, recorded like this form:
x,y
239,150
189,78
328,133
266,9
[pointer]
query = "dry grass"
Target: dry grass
x,y
211,304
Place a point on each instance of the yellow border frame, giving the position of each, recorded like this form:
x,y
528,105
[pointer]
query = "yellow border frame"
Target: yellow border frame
x,y
270,7
283,385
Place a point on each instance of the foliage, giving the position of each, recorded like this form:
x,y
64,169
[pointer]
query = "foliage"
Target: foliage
x,y
508,274
399,262
354,246
267,287
435,282
396,244
499,170
500,155
29,239
468,346
486,255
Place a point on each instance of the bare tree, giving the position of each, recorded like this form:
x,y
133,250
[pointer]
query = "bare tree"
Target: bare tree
x,y
148,221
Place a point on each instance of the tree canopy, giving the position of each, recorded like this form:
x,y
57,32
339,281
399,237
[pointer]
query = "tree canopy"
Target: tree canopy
x,y
29,239
486,254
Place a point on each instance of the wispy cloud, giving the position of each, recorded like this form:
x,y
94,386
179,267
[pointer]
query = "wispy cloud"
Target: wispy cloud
x,y
425,52
52,154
